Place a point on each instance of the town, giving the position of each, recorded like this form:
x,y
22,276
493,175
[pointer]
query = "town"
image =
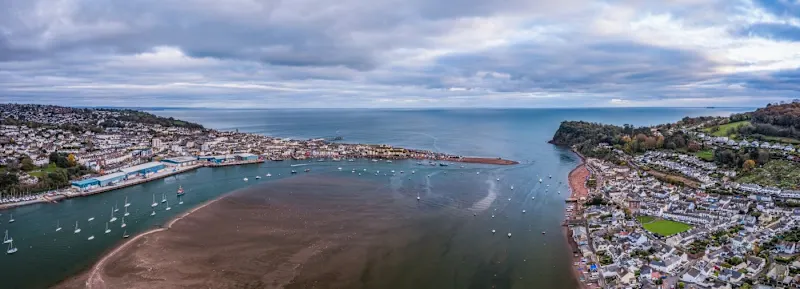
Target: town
x,y
686,217
49,153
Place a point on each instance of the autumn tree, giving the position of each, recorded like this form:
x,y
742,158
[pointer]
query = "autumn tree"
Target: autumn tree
x,y
748,165
693,147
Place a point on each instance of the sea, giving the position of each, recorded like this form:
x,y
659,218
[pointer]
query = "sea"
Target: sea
x,y
456,248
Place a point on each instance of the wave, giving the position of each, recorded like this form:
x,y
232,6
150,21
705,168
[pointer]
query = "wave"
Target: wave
x,y
487,201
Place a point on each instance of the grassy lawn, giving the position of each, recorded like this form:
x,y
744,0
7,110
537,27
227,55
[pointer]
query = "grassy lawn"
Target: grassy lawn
x,y
666,227
780,139
728,127
706,155
44,171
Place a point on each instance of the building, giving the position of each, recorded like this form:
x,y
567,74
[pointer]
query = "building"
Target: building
x,y
143,169
110,179
86,184
246,157
181,161
157,143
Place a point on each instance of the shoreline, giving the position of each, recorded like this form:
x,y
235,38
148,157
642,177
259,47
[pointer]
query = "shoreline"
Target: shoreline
x,y
576,180
100,264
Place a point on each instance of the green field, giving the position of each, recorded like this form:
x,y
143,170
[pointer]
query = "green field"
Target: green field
x,y
706,155
44,171
662,227
728,129
780,139
777,173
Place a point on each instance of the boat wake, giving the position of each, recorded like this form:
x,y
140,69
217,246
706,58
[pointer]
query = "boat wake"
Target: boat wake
x,y
487,201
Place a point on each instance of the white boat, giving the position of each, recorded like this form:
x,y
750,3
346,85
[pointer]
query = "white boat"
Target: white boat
x,y
269,175
512,187
163,198
509,235
107,229
58,226
113,218
498,179
550,176
477,173
533,198
7,239
168,207
543,232
126,202
339,168
126,212
393,171
154,201
181,201
11,249
153,213
492,215
125,234
116,208
402,172
493,231
389,161
77,230
258,177
90,238
90,219
245,179
523,211
374,160
413,172
123,223
540,180
509,199
11,218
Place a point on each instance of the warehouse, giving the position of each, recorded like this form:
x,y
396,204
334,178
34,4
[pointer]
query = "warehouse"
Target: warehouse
x,y
86,184
110,179
181,161
143,169
246,157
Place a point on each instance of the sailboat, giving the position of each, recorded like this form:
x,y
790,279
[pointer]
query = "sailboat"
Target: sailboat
x,y
126,202
163,198
77,230
154,201
125,234
107,229
116,208
11,249
512,187
90,238
11,218
126,212
123,223
269,175
113,218
417,196
153,213
90,219
168,207
180,191
58,226
540,180
7,239
180,201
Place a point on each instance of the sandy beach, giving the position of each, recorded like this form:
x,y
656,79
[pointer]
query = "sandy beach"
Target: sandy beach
x,y
577,184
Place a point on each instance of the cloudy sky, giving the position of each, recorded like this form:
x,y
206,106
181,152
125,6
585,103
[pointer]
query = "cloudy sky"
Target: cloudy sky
x,y
399,53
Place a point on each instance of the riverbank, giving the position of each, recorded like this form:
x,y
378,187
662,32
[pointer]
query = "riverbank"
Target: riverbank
x,y
578,193
488,161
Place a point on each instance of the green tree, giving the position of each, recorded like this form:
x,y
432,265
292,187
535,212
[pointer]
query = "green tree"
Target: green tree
x,y
27,164
748,165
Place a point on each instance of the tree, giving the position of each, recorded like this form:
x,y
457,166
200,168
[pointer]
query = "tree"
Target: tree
x,y
693,147
681,285
71,160
748,165
27,164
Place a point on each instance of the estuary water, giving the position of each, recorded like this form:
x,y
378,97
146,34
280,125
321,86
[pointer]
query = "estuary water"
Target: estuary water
x,y
454,248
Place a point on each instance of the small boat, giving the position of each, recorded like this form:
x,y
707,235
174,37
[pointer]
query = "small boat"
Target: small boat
x,y
402,172
180,201
497,179
116,208
543,233
509,235
540,180
168,207
550,176
125,234
533,198
77,230
493,231
11,249
126,213
123,223
492,215
113,218
307,170
339,168
163,198
509,199
107,229
413,172
443,164
90,238
351,160
11,218
294,172
389,161
374,160
90,219
320,160
269,175
153,213
245,179
477,173
58,226
180,191
126,202
154,201
393,171
7,239
417,196
523,211
258,177
512,187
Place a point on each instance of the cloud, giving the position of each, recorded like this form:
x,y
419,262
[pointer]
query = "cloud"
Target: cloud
x,y
391,53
